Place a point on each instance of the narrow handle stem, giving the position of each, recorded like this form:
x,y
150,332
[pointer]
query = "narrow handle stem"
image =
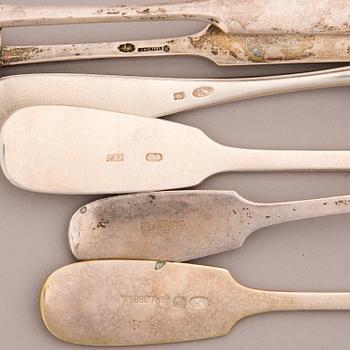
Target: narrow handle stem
x,y
255,87
12,16
236,159
266,301
275,213
15,55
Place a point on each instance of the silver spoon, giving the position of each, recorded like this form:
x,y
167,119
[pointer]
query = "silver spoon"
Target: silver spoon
x,y
160,96
181,226
71,150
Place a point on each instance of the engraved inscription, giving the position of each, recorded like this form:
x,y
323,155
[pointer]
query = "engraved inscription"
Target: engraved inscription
x,y
154,157
145,299
165,48
165,226
203,91
127,47
116,157
179,96
196,303
179,302
199,303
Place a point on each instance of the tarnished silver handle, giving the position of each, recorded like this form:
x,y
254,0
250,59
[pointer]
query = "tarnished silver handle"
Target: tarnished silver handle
x,y
15,16
231,16
211,43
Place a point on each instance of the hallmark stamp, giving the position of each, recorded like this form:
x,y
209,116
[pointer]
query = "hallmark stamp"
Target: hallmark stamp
x,y
179,96
179,302
199,303
116,157
154,157
165,48
127,47
165,226
203,91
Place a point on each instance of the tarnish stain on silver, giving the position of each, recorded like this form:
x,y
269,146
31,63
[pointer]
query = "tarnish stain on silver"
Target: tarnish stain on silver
x,y
159,265
83,210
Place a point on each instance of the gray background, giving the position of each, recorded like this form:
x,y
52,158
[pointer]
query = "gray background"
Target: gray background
x,y
310,255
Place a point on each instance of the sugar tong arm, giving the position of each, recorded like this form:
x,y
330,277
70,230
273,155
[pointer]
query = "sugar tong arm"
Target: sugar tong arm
x,y
231,16
13,16
211,43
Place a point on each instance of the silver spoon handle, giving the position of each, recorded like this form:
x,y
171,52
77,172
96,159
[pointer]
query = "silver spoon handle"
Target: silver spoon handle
x,y
240,89
267,301
246,160
268,214
16,55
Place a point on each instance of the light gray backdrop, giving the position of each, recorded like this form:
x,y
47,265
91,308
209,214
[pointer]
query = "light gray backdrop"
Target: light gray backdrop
x,y
311,255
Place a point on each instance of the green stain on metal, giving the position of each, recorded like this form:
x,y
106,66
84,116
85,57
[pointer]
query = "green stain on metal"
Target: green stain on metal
x,y
160,265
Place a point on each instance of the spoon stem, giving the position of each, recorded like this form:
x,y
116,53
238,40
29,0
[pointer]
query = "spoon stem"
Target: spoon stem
x,y
238,159
276,213
266,301
16,55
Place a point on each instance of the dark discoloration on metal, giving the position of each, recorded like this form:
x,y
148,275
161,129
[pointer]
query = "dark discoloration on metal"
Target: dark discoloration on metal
x,y
152,197
324,27
83,210
11,55
231,16
342,202
102,223
254,48
129,13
